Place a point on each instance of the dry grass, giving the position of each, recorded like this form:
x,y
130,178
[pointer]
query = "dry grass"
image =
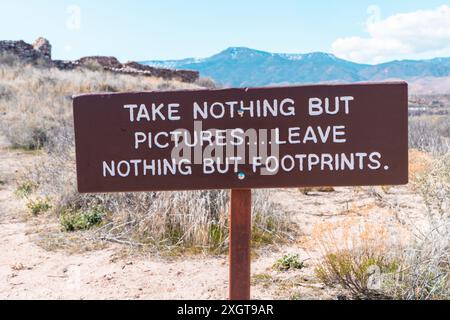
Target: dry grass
x,y
36,108
428,260
34,102
430,134
371,261
355,255
165,220
419,164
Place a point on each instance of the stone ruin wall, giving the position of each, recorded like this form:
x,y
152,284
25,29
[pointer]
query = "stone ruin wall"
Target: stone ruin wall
x,y
41,51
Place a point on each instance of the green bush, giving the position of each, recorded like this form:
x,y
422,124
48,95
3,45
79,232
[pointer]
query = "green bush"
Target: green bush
x,y
352,270
73,219
38,206
290,261
218,235
25,189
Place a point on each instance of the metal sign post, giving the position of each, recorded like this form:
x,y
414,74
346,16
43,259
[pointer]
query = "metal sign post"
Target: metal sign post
x,y
240,238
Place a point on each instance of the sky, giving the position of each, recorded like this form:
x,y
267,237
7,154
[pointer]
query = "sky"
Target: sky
x,y
358,30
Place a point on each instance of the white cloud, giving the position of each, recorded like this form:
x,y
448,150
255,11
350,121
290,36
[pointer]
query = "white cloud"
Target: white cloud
x,y
419,34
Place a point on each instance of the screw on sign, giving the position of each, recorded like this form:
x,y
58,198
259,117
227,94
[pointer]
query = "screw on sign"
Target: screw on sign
x,y
240,139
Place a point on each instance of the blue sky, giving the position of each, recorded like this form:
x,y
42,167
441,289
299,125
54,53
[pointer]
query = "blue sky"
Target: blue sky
x,y
169,29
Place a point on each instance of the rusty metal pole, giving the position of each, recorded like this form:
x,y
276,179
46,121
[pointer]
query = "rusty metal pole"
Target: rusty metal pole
x,y
240,236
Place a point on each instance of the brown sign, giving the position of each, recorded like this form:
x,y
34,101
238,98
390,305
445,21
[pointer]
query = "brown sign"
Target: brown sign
x,y
319,135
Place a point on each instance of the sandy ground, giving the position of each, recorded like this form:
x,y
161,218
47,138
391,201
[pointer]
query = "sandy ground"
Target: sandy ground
x,y
27,271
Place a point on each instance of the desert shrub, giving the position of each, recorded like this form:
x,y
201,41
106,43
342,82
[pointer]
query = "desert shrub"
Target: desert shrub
x,y
218,235
9,60
5,92
25,189
419,164
358,257
415,265
73,219
430,134
33,138
190,219
434,186
288,262
353,270
427,262
38,206
41,103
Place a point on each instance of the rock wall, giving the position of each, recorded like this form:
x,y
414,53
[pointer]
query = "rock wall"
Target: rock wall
x,y
41,50
23,51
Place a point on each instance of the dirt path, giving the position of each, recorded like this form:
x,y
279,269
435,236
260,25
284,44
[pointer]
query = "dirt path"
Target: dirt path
x,y
27,271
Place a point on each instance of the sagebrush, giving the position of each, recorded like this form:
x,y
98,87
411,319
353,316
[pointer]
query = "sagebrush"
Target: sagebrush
x,y
430,134
371,262
356,255
427,275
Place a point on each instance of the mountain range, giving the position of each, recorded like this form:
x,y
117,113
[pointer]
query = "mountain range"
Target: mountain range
x,y
241,67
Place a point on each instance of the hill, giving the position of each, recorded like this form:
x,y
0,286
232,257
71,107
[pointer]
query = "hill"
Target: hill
x,y
240,66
